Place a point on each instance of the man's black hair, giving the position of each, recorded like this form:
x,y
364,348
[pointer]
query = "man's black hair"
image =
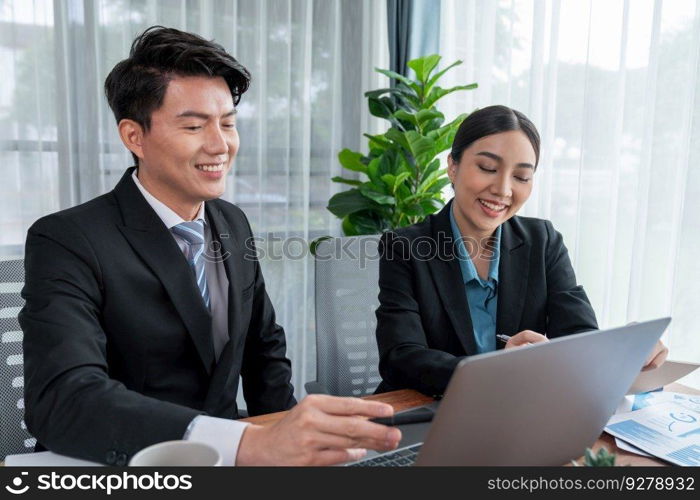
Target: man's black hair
x,y
136,86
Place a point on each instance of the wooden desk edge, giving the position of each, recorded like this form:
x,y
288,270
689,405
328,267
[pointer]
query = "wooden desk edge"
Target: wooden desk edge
x,y
400,400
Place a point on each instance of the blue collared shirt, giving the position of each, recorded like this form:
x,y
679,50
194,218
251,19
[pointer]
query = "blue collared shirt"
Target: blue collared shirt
x,y
482,296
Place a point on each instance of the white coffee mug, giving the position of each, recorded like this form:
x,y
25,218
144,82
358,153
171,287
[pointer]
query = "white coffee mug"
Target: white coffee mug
x,y
177,454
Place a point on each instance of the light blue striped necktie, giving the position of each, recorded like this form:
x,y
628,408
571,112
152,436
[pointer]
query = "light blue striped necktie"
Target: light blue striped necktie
x,y
193,234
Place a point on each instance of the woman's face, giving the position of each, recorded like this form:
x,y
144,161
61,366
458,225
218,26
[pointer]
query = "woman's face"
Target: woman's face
x,y
492,181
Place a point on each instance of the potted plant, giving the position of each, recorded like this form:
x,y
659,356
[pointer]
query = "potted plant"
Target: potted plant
x,y
404,180
601,458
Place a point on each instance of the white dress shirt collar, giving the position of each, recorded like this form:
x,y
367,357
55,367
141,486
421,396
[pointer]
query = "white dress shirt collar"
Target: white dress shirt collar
x,y
166,214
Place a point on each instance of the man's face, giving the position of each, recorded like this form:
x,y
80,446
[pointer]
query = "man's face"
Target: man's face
x,y
188,150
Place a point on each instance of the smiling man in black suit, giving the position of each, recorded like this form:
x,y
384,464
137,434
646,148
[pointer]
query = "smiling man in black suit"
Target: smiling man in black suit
x,y
145,305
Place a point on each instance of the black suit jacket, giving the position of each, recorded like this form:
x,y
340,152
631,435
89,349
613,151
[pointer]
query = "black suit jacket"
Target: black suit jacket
x,y
118,347
423,323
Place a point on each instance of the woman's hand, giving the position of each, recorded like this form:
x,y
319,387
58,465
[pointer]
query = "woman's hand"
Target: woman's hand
x,y
524,338
658,354
657,357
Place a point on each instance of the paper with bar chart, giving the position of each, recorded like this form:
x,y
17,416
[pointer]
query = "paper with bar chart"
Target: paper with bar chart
x,y
668,430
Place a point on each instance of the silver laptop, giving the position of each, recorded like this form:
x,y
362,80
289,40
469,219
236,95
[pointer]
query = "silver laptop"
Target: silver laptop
x,y
542,404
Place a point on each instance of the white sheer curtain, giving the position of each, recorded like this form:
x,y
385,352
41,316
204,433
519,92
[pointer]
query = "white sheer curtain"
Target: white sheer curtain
x,y
311,61
613,87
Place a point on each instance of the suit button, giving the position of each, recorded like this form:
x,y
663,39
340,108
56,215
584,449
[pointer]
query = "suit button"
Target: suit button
x,y
121,459
111,457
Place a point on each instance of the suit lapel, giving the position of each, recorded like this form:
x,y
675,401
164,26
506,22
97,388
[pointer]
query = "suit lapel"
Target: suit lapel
x,y
513,274
152,241
448,280
231,251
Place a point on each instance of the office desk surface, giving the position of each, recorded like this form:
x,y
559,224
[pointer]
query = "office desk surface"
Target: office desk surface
x,y
404,399
407,398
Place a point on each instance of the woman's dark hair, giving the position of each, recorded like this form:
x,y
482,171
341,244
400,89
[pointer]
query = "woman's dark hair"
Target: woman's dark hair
x,y
493,120
136,86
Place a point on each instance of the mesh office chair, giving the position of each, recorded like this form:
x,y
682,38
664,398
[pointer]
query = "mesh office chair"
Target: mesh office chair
x,y
14,437
347,357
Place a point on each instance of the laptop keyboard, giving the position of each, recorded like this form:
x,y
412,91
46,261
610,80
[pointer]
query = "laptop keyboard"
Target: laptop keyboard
x,y
400,458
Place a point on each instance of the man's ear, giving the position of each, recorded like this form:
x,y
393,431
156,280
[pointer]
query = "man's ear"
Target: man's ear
x,y
131,134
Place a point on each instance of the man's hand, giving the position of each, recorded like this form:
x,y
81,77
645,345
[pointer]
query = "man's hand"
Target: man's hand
x,y
524,338
321,430
657,357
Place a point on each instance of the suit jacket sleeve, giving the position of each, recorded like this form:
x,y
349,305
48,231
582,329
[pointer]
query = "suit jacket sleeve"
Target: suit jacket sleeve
x,y
72,406
405,358
568,308
266,371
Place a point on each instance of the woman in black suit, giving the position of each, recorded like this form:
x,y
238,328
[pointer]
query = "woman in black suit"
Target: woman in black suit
x,y
450,284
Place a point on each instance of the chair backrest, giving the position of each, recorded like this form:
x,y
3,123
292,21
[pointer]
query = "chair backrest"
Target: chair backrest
x,y
346,290
14,437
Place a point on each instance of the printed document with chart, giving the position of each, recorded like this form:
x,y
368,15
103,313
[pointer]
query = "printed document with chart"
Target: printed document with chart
x,y
669,430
